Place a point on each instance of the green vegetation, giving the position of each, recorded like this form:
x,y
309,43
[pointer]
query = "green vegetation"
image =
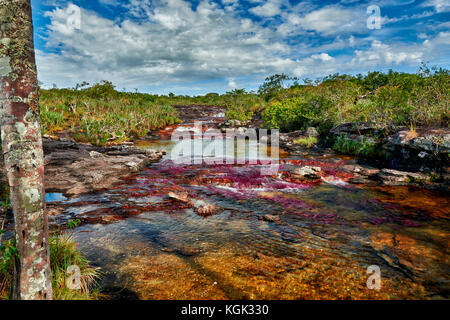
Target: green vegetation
x,y
361,148
63,253
387,99
99,114
241,105
307,142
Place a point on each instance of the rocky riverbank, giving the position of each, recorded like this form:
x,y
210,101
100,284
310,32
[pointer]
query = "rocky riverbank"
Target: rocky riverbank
x,y
380,155
75,168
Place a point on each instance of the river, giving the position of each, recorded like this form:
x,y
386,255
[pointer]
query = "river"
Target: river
x,y
326,235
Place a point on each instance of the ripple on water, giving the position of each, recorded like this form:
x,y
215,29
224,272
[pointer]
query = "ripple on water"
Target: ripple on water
x,y
326,238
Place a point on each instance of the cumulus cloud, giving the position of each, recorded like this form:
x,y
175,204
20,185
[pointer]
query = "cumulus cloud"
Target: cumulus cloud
x,y
327,21
380,54
269,9
174,43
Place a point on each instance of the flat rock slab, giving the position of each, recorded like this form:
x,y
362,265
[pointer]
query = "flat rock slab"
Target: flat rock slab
x,y
76,168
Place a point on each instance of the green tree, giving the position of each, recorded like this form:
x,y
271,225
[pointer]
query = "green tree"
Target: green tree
x,y
274,85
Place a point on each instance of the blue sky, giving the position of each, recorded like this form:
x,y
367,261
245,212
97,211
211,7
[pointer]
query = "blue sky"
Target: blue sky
x,y
201,46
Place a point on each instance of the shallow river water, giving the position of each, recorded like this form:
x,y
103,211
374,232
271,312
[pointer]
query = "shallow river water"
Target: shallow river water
x,y
151,246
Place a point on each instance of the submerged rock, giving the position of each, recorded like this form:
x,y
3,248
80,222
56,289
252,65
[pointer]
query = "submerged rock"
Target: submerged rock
x,y
204,208
270,218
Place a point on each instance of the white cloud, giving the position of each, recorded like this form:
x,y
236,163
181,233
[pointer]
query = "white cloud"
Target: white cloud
x,y
174,43
439,5
322,56
327,21
269,9
169,43
380,54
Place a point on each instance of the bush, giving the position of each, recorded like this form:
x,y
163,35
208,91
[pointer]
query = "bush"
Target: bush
x,y
391,98
296,113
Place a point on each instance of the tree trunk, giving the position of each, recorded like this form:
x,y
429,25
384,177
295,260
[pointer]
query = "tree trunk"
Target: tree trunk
x,y
22,147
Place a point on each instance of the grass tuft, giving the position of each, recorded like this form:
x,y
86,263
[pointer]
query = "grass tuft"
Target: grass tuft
x,y
63,253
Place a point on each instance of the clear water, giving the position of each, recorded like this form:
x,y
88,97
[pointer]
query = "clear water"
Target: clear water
x,y
328,234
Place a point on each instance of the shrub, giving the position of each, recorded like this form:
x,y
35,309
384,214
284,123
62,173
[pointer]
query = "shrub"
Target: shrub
x,y
295,113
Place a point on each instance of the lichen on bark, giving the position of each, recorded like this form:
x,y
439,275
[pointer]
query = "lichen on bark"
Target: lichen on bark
x,y
22,147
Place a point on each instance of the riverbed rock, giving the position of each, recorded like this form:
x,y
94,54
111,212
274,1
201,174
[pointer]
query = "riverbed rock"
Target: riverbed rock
x,y
420,150
306,172
360,170
397,178
270,218
362,174
362,128
204,208
200,206
76,168
181,196
286,138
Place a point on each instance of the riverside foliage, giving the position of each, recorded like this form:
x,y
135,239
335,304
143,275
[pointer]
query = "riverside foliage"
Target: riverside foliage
x,y
100,114
392,98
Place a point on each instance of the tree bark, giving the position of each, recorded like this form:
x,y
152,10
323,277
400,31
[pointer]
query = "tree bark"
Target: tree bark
x,y
22,148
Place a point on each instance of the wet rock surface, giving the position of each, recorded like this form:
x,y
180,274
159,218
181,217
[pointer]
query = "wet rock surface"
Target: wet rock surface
x,y
306,172
201,206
